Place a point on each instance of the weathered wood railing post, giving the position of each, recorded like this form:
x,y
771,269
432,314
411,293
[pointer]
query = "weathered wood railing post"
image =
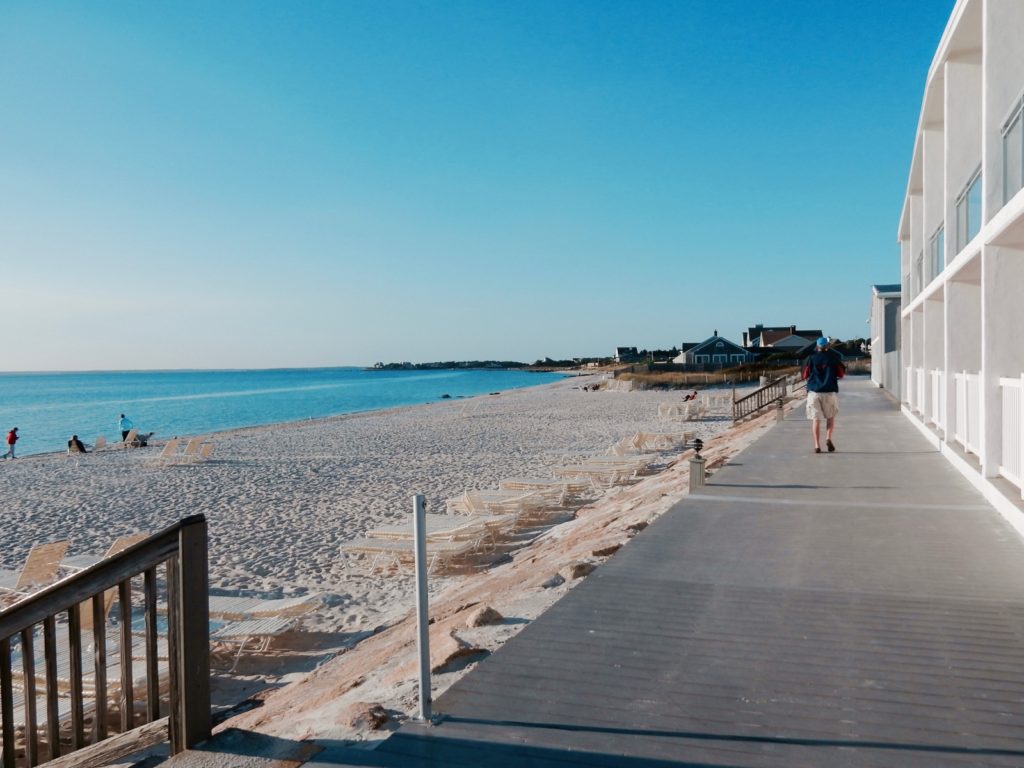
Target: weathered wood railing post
x,y
188,595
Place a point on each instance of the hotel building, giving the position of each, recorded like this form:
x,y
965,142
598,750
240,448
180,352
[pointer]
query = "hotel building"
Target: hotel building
x,y
961,238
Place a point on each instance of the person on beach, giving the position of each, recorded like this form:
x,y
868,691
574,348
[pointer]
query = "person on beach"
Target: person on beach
x,y
822,372
125,425
12,438
75,445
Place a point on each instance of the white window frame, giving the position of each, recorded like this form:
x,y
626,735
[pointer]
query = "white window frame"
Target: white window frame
x,y
963,212
936,254
702,358
1015,119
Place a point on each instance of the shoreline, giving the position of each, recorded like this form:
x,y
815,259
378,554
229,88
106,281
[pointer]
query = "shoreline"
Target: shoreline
x,y
159,441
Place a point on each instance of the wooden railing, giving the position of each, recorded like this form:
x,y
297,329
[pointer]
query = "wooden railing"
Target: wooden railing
x,y
771,394
182,551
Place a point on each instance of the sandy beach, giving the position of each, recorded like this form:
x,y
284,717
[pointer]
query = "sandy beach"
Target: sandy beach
x,y
282,500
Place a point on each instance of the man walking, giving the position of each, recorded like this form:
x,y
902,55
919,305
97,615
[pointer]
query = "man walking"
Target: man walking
x,y
822,372
12,438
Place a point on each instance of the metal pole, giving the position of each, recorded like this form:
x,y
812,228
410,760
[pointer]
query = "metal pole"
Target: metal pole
x,y
779,413
419,530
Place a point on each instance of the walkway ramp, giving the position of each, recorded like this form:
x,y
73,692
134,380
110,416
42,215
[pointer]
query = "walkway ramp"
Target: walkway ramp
x,y
861,608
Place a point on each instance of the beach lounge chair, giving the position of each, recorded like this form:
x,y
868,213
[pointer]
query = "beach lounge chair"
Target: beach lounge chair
x,y
100,444
191,452
484,530
77,563
255,633
205,451
659,441
242,607
601,474
41,567
168,453
497,502
130,438
667,410
570,487
440,554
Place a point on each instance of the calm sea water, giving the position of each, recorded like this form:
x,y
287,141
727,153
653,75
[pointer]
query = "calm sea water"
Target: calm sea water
x,y
48,408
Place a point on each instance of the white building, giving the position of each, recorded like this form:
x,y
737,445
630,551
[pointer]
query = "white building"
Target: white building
x,y
885,337
961,237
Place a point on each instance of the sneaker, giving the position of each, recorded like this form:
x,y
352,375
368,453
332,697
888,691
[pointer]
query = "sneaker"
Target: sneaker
x,y
831,447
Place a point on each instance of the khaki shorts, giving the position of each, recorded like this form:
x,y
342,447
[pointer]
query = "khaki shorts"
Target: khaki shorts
x,y
822,405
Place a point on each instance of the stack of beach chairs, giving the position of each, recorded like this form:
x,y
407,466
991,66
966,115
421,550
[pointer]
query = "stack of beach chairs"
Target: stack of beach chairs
x,y
480,525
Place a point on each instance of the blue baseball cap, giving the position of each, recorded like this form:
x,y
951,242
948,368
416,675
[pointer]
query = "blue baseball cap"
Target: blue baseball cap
x,y
822,341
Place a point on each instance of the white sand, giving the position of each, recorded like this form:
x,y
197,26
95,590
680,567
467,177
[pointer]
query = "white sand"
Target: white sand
x,y
281,500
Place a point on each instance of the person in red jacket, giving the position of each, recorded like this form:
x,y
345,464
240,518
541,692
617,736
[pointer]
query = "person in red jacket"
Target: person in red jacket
x,y
12,438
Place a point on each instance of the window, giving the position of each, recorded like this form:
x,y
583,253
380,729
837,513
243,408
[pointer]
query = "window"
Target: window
x,y
1013,154
936,254
968,212
738,358
701,358
918,274
720,359
719,344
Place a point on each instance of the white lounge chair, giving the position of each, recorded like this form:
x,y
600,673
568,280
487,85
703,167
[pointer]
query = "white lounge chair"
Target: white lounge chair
x,y
196,450
570,487
168,454
484,530
255,633
77,563
100,444
440,554
242,607
41,567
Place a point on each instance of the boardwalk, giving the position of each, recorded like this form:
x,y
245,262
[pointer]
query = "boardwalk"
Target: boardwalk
x,y
862,608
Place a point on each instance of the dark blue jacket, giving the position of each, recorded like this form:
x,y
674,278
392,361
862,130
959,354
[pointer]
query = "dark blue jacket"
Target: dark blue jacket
x,y
823,370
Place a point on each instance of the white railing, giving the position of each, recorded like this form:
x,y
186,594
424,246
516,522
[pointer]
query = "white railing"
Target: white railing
x,y
909,390
921,381
974,413
968,411
938,381
1010,465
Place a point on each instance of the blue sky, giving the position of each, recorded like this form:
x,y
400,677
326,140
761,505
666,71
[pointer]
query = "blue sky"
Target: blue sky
x,y
224,185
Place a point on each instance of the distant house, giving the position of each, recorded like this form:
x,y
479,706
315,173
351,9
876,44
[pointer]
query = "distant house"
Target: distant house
x,y
780,338
716,349
626,355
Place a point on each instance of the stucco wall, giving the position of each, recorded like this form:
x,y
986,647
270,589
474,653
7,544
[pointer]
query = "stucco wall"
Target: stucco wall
x,y
1004,85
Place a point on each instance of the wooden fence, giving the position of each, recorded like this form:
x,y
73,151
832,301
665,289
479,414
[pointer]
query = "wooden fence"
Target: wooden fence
x,y
182,551
772,393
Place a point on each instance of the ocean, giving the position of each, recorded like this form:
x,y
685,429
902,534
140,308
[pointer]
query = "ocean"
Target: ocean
x,y
48,408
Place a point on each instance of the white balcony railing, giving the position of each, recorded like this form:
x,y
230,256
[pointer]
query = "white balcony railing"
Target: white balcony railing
x,y
909,387
968,411
1010,460
921,381
938,403
974,413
